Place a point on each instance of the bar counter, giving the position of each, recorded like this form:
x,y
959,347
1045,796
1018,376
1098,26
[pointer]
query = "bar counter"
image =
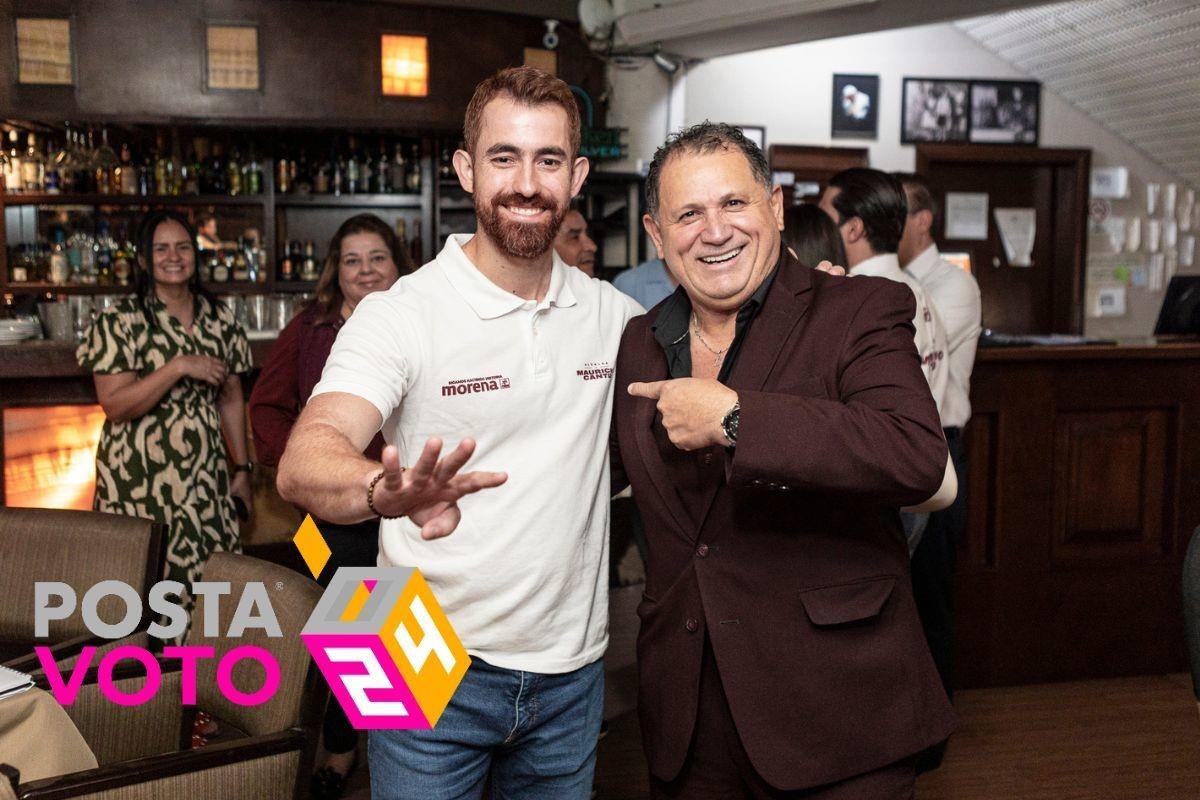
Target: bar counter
x,y
1084,487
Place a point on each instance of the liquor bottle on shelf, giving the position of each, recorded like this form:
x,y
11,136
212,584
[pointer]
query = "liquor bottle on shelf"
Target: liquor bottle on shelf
x,y
196,158
222,267
12,170
177,166
252,179
233,174
162,166
353,170
380,177
33,167
445,163
302,179
337,178
53,180
413,179
206,262
308,267
81,254
19,271
191,170
124,257
60,265
321,178
129,171
103,249
217,171
146,176
283,173
240,271
398,172
106,163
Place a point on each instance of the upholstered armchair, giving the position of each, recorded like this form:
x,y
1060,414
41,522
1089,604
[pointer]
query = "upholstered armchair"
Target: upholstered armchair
x,y
263,751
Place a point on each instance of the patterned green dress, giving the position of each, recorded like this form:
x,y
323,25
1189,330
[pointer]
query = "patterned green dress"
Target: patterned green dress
x,y
170,463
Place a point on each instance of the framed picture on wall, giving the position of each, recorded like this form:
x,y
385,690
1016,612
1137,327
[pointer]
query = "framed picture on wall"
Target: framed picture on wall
x,y
935,110
855,112
1005,112
756,134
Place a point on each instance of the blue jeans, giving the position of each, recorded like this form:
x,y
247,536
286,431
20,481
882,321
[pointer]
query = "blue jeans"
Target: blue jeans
x,y
536,734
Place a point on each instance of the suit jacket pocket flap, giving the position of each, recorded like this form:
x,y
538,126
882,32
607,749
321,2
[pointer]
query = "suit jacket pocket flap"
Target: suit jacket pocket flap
x,y
847,602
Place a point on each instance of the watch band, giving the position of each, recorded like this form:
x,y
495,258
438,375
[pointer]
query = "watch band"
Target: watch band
x,y
730,423
247,467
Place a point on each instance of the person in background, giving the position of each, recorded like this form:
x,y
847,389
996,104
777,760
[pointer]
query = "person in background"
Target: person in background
x,y
166,363
649,282
869,208
573,244
364,256
206,232
956,295
812,236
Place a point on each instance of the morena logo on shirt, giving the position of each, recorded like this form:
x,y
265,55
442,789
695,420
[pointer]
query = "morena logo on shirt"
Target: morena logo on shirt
x,y
491,383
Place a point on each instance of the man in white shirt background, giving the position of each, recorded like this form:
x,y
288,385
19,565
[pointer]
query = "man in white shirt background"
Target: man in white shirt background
x,y
501,346
869,208
956,295
649,283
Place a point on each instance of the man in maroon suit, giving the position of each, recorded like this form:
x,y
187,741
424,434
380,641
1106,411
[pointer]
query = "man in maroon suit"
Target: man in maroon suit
x,y
775,419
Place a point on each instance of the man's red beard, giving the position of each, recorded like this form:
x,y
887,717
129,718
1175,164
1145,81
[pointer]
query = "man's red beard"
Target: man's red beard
x,y
520,239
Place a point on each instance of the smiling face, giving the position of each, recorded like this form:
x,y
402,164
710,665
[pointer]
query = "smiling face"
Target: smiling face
x,y
365,265
573,244
717,227
172,254
521,175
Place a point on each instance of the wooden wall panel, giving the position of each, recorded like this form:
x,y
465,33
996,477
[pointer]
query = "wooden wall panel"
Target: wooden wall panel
x,y
1082,475
140,61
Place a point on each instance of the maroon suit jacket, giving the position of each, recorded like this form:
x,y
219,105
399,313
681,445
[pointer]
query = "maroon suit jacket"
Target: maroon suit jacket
x,y
796,567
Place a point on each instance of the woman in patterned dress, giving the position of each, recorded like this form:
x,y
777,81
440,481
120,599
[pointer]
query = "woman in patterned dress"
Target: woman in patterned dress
x,y
166,362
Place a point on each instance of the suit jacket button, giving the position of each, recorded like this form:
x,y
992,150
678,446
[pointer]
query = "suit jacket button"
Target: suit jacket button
x,y
702,550
692,625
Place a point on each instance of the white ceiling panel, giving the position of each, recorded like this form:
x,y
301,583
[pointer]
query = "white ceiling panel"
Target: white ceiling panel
x,y
1132,65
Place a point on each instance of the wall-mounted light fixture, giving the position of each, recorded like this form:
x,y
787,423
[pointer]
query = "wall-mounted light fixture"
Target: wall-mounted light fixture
x,y
404,63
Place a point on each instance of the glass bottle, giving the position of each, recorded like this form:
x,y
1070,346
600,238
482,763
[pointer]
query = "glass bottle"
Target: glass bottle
x,y
217,171
12,170
129,171
398,173
60,266
53,179
308,270
353,170
381,176
240,271
123,259
106,163
103,249
233,174
283,173
413,178
33,167
162,166
253,175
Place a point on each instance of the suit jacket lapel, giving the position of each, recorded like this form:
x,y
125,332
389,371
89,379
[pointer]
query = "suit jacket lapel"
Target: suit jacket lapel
x,y
785,305
653,367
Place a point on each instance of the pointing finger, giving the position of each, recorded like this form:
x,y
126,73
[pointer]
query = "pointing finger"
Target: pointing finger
x,y
650,390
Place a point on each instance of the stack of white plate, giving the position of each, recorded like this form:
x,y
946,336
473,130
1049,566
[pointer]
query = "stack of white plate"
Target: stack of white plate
x,y
18,329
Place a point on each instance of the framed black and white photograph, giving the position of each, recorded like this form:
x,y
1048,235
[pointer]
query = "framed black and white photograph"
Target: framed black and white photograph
x,y
855,107
44,53
756,134
1005,112
935,110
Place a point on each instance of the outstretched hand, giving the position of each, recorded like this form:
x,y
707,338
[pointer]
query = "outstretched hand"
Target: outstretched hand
x,y
428,492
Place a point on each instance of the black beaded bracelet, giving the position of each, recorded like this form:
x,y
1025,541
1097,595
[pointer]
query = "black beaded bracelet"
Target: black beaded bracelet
x,y
371,496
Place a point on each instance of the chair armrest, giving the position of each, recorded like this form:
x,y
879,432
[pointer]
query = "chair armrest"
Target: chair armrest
x,y
120,733
162,768
61,651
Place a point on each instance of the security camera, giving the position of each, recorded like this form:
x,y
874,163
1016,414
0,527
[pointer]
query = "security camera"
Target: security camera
x,y
550,37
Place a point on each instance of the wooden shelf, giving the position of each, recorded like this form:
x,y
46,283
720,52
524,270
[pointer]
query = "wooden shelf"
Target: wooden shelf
x,y
348,201
17,199
66,288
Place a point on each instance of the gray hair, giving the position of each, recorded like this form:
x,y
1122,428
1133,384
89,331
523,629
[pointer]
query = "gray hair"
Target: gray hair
x,y
705,137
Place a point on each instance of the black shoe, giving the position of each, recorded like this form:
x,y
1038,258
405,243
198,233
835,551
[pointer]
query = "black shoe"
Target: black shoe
x,y
329,784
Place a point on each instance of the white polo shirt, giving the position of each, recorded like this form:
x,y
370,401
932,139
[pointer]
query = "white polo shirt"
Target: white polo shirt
x,y
956,295
930,336
446,352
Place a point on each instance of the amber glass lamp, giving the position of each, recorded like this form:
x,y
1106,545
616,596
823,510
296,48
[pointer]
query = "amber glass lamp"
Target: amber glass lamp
x,y
405,65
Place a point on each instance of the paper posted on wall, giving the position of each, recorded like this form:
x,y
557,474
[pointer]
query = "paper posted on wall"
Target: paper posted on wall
x,y
1018,229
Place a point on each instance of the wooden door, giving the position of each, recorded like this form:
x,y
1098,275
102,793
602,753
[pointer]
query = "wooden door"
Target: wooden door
x,y
1045,297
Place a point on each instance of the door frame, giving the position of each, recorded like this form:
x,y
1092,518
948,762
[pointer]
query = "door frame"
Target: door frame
x,y
1070,205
